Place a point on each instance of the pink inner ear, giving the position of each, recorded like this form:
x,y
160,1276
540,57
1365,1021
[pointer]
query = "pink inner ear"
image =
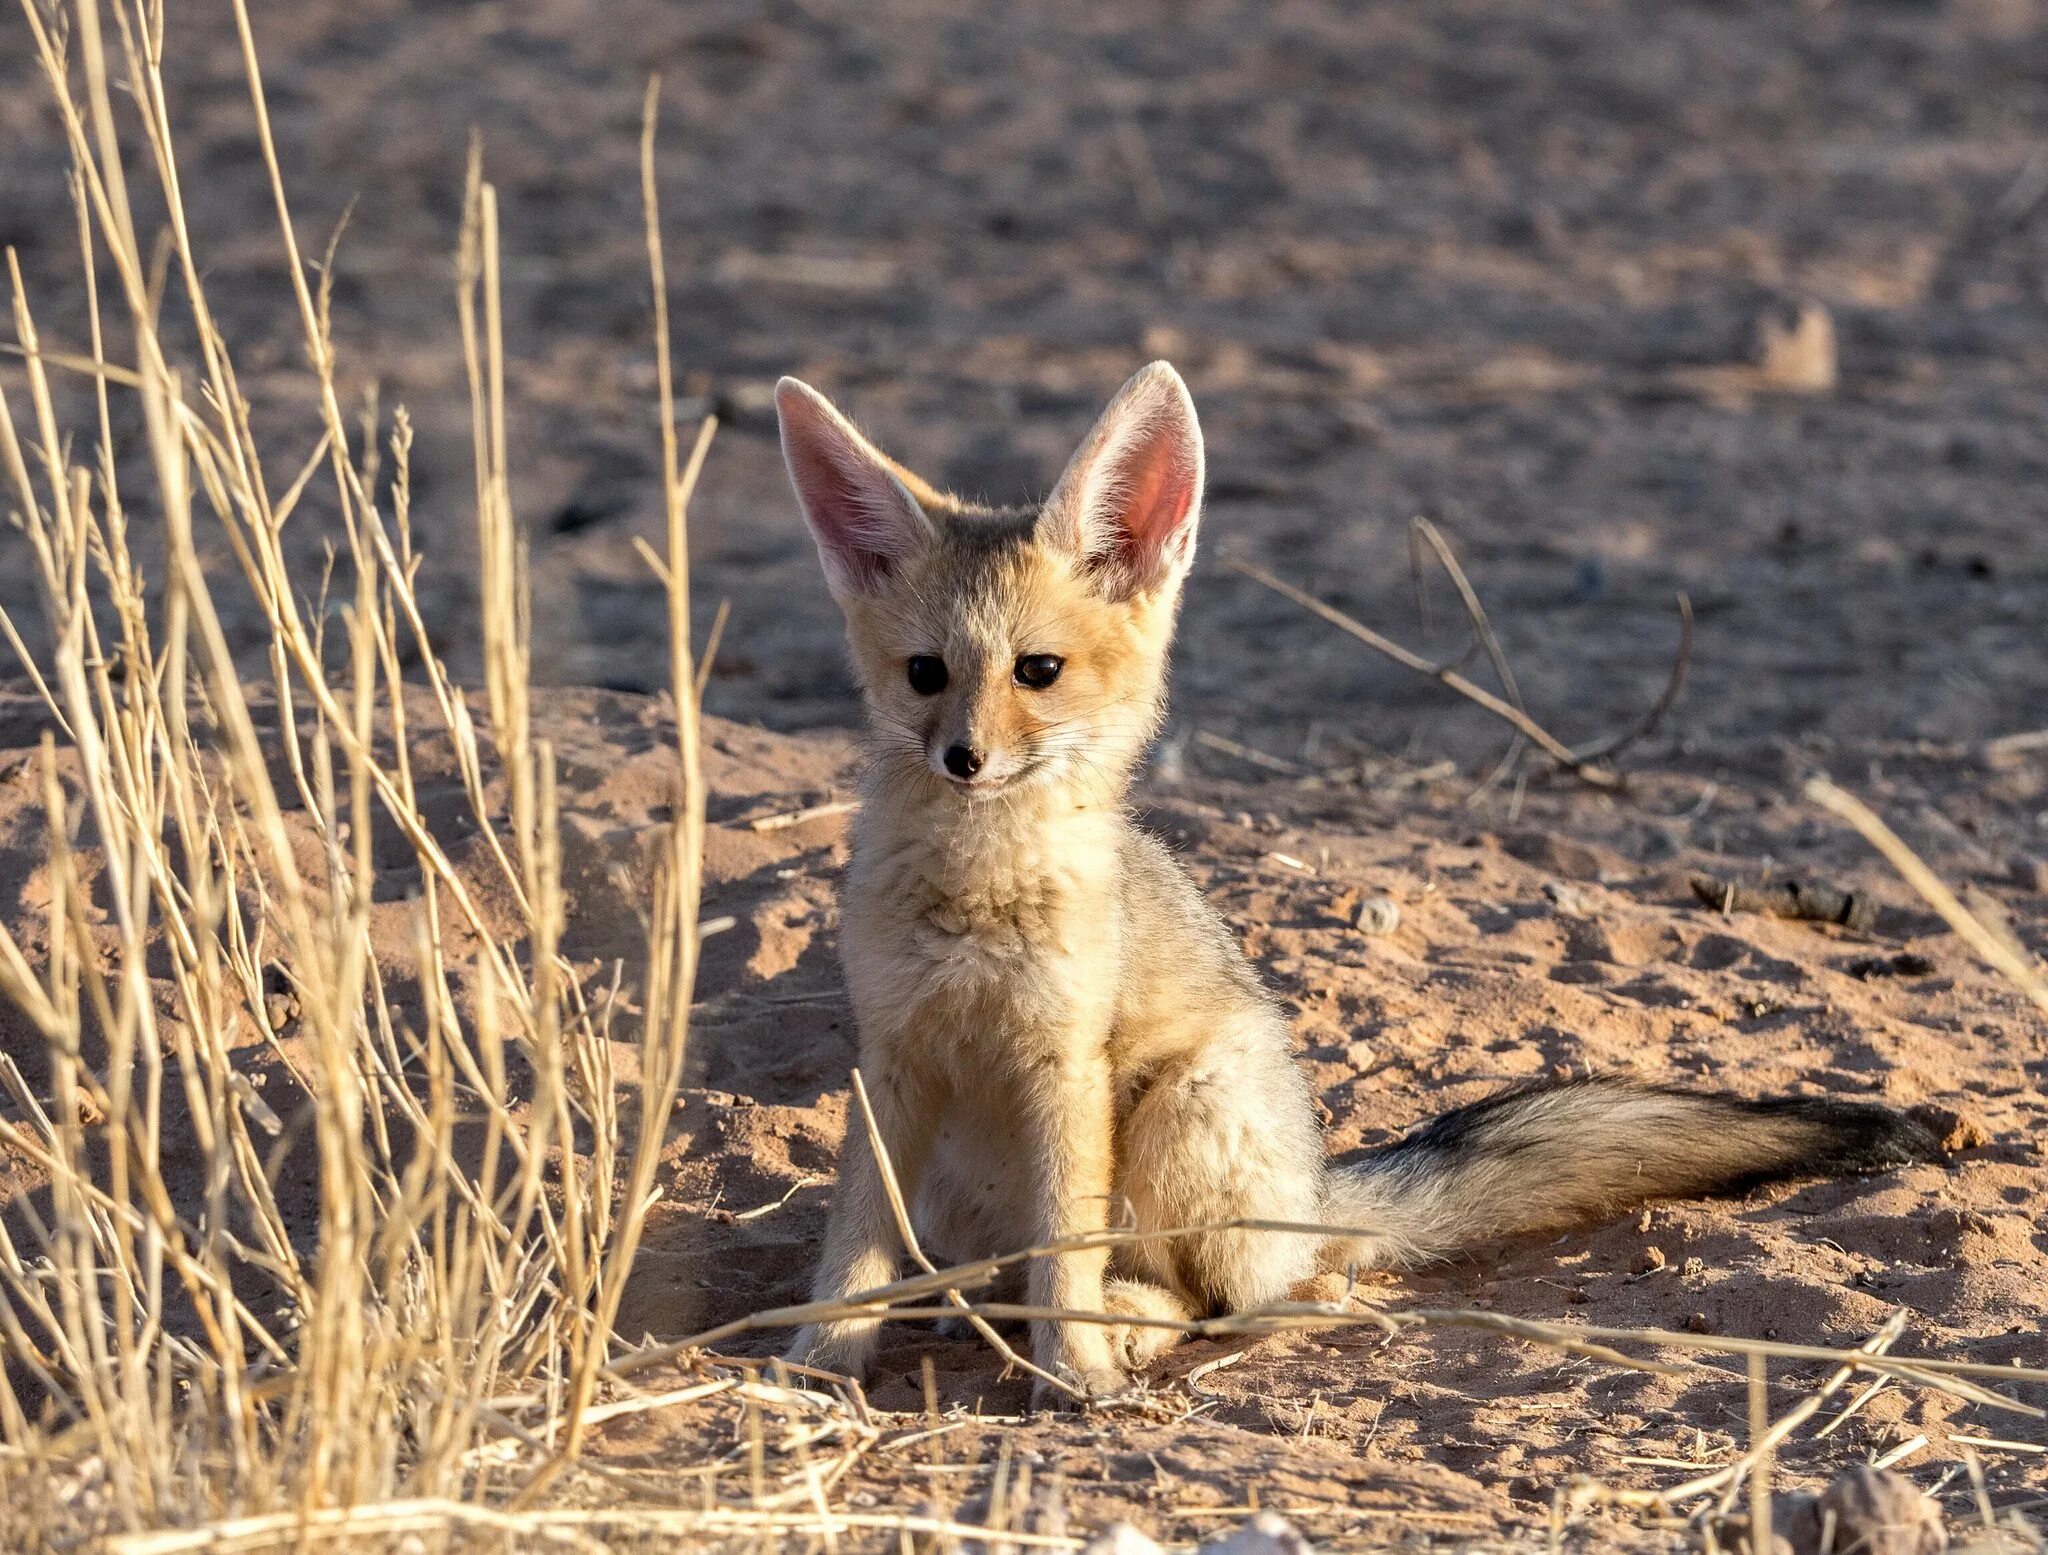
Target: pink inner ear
x,y
858,512
1131,498
1155,489
1138,500
842,512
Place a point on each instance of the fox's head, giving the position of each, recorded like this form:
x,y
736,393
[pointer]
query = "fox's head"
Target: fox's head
x,y
1004,647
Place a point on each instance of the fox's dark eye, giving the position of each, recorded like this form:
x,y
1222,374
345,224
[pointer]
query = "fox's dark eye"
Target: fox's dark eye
x,y
927,674
1039,670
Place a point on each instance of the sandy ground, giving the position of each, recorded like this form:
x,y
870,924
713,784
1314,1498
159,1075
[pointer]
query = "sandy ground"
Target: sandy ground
x,y
1561,937
1564,938
1484,262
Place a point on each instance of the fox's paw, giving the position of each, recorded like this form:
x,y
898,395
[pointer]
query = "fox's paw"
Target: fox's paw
x,y
1093,1385
1136,1344
844,1348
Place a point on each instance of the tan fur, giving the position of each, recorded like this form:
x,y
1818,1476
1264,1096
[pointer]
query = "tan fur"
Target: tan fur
x,y
1056,1032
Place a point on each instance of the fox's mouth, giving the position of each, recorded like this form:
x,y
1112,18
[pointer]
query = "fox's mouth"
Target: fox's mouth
x,y
980,787
987,785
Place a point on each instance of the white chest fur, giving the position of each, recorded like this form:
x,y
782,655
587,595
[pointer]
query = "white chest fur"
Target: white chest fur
x,y
972,943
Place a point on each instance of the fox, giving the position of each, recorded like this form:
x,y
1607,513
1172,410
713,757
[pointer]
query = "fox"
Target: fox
x,y
1056,1032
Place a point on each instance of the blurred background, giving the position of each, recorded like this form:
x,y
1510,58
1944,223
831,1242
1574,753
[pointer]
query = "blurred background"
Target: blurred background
x,y
1740,299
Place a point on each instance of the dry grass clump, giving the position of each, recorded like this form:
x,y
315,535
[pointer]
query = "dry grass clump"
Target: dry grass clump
x,y
179,1346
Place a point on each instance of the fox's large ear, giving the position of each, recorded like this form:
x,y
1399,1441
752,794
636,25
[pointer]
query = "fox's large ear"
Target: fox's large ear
x,y
861,513
1130,499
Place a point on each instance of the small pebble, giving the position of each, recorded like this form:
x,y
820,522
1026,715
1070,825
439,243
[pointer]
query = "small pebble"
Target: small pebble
x,y
1693,1269
1957,1130
1907,963
1871,1511
1378,915
1569,899
1699,1323
1121,1539
1264,1533
1649,1261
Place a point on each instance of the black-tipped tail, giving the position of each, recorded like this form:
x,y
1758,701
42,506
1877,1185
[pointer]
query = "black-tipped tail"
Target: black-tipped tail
x,y
1550,1156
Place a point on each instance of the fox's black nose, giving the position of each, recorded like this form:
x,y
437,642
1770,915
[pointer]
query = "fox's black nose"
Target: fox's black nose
x,y
962,762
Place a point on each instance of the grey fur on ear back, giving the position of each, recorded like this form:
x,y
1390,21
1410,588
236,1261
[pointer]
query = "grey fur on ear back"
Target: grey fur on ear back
x,y
1130,501
861,514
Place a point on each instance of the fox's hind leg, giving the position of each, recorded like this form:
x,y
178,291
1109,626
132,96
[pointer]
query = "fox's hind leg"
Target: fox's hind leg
x,y
1226,1133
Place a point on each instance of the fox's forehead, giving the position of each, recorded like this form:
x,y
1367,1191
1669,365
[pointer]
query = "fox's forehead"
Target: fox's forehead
x,y
986,583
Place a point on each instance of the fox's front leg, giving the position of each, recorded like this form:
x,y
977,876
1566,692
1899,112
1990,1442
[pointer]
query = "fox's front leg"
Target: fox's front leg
x,y
862,1244
1070,1133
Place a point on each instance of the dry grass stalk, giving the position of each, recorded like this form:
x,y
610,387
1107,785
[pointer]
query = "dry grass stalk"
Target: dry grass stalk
x,y
1761,1458
1764,1439
1992,947
900,1211
568,1526
179,1336
900,1301
1422,533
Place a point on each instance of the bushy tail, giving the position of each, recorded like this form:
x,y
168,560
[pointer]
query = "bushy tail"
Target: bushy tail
x,y
1550,1156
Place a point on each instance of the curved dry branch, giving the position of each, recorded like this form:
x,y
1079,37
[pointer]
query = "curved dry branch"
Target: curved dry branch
x,y
1584,770
1681,661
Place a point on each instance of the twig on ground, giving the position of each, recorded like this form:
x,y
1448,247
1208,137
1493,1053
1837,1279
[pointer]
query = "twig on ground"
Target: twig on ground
x,y
1900,1453
1799,900
816,812
1924,880
1583,763
1864,1395
2017,744
1194,1378
1482,628
1729,1476
773,1205
1248,754
1613,745
1586,771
